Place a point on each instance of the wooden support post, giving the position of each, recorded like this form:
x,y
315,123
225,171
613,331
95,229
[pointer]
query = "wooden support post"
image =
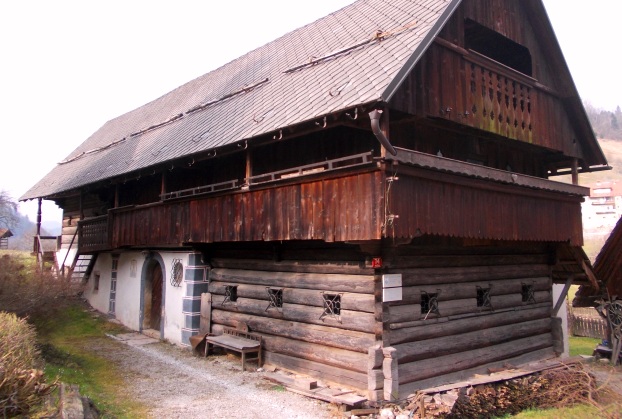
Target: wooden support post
x,y
575,171
249,166
39,217
558,335
163,185
390,371
205,323
562,296
116,195
81,207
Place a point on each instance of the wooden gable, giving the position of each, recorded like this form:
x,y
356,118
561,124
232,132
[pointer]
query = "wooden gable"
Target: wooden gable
x,y
496,68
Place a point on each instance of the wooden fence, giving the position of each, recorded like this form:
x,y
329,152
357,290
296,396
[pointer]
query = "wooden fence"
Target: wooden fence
x,y
587,324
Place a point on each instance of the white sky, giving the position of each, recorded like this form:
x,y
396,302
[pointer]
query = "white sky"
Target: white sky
x,y
67,67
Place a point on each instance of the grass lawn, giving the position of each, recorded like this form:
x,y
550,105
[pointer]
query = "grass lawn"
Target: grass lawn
x,y
69,342
582,346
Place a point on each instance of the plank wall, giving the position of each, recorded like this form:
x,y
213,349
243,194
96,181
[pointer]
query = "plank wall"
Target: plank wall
x,y
297,336
336,209
435,203
463,338
453,84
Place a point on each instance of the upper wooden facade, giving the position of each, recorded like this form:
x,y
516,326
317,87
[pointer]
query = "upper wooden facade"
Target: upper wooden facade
x,y
478,111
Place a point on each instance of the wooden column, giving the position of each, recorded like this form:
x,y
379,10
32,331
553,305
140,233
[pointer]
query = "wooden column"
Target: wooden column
x,y
81,207
575,171
116,195
163,185
249,166
39,217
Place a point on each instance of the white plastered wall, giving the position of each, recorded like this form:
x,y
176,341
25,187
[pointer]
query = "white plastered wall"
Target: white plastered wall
x,y
129,289
563,314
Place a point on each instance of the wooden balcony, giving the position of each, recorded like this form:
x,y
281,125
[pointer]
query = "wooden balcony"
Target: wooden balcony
x,y
465,87
93,235
310,202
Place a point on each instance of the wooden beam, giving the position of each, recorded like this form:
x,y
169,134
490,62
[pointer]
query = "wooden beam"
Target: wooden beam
x,y
562,296
322,334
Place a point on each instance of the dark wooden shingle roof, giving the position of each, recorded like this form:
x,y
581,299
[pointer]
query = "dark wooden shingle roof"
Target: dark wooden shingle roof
x,y
355,56
348,58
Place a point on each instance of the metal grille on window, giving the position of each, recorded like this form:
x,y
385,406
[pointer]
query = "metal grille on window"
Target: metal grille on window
x,y
231,294
332,306
177,273
483,298
429,304
276,298
528,294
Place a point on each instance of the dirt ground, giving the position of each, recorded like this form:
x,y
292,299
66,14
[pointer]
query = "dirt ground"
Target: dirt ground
x,y
173,383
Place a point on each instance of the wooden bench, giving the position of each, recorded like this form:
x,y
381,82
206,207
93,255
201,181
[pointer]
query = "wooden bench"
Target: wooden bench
x,y
237,341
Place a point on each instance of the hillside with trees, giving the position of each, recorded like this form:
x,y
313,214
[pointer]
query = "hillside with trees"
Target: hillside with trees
x,y
606,124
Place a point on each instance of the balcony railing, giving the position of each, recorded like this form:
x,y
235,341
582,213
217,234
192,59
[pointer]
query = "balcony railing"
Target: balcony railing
x,y
93,234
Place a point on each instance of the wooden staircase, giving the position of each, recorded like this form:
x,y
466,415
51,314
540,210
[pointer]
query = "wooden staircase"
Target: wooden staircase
x,y
82,267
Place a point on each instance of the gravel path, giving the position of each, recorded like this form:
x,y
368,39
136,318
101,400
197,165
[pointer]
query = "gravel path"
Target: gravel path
x,y
173,383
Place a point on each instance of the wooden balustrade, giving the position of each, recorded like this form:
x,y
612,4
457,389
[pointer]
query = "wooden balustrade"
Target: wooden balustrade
x,y
93,234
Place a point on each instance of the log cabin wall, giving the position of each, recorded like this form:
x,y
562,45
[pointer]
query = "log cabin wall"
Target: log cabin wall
x,y
76,208
493,305
302,334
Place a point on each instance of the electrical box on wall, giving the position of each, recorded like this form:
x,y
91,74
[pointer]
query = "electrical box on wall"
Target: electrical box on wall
x,y
391,287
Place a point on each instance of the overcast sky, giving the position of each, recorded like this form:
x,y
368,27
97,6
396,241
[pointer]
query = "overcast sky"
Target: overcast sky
x,y
67,67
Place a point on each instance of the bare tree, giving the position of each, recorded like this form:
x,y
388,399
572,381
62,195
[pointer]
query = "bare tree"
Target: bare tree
x,y
8,210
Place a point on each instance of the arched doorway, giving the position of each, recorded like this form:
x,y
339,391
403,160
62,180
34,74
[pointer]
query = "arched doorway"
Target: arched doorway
x,y
152,296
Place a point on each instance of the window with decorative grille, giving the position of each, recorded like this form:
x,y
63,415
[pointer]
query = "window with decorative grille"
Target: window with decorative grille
x,y
231,294
528,294
429,304
483,298
332,306
276,298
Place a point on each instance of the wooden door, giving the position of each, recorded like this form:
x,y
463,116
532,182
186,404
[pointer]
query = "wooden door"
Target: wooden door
x,y
156,298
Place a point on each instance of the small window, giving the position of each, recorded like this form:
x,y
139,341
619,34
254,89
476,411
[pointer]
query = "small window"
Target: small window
x,y
332,306
528,294
276,298
429,304
497,47
231,294
483,298
96,281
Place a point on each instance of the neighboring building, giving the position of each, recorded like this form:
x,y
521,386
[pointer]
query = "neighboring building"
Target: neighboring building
x,y
5,233
603,208
369,192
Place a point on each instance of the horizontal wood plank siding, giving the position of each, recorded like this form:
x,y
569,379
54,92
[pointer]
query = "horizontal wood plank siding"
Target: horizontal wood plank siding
x,y
342,209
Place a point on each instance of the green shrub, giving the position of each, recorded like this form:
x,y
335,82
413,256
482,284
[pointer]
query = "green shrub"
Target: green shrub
x,y
22,385
27,292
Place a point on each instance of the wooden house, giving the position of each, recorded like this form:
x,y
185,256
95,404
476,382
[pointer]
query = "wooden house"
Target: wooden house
x,y
5,233
371,193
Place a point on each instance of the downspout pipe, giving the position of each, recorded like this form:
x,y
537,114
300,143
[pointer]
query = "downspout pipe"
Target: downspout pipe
x,y
374,116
